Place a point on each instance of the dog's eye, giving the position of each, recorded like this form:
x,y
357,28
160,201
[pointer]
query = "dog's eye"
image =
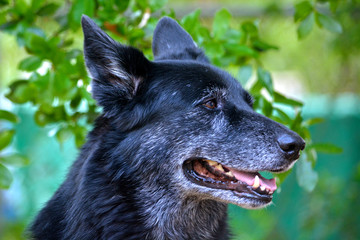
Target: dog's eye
x,y
211,104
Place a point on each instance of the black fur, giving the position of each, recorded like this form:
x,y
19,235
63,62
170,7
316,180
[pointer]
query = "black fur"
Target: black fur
x,y
128,182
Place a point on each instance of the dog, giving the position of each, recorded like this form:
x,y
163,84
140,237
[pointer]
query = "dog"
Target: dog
x,y
177,141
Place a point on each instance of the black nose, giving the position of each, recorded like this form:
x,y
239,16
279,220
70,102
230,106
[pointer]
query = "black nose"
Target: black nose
x,y
291,145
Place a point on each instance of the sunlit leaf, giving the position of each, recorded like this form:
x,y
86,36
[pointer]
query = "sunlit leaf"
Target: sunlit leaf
x,y
156,4
63,134
191,21
306,26
302,10
260,45
282,115
221,23
328,148
48,9
30,64
245,73
250,29
279,98
6,115
328,23
5,138
265,78
80,7
5,177
240,50
313,121
296,123
15,159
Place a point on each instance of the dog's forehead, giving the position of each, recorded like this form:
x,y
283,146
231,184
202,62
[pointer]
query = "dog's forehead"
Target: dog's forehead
x,y
196,79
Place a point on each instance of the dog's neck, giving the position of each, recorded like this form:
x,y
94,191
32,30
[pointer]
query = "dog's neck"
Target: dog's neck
x,y
189,218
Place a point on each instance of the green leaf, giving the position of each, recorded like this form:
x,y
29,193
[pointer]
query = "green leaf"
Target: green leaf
x,y
245,73
5,138
265,79
191,21
266,107
328,23
306,26
305,174
5,177
4,3
157,4
282,115
327,148
30,64
41,118
37,45
5,115
250,29
80,7
256,88
63,134
260,45
313,121
334,4
296,124
279,98
36,4
214,50
121,5
221,23
80,135
48,9
240,50
21,92
15,159
21,6
302,10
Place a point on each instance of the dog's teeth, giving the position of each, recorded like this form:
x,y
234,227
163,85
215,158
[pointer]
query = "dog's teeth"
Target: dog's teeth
x,y
256,182
262,188
219,167
212,163
230,174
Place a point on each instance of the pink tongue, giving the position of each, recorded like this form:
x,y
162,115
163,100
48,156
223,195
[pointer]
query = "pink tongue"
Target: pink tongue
x,y
249,179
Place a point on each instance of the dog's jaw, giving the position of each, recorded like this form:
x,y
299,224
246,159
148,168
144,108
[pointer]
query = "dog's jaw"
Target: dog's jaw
x,y
247,189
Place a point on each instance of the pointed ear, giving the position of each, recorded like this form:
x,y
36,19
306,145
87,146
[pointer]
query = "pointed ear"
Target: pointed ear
x,y
171,41
117,71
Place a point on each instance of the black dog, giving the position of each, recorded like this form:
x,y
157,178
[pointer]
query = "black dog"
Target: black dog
x,y
178,140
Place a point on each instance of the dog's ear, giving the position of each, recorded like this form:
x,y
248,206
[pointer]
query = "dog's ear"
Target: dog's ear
x,y
117,71
171,41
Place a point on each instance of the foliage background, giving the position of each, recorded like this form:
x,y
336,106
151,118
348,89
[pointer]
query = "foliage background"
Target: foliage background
x,y
308,50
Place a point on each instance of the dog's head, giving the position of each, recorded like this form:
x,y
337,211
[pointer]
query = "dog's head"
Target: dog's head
x,y
182,124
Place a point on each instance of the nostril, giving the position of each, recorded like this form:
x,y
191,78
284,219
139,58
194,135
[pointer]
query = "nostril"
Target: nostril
x,y
288,147
291,145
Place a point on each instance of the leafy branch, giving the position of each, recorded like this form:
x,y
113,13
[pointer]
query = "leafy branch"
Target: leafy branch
x,y
58,84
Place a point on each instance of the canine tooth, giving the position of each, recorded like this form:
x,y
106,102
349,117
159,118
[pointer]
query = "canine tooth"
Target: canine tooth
x,y
219,167
212,163
256,182
230,174
262,188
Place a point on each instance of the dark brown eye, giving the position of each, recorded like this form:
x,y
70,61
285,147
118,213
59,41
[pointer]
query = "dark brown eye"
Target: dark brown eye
x,y
211,104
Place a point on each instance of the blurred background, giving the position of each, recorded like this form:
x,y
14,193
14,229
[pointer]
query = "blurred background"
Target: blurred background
x,y
321,70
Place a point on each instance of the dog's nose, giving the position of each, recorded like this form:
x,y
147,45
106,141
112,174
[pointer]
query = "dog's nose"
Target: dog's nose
x,y
291,145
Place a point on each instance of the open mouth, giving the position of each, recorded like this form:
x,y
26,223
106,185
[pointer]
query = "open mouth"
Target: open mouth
x,y
212,174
